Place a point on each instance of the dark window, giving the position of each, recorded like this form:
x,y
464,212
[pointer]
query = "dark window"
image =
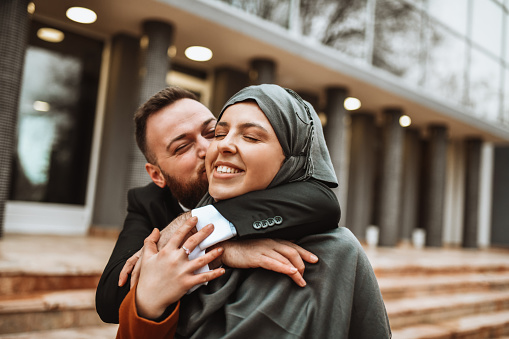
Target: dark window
x,y
56,118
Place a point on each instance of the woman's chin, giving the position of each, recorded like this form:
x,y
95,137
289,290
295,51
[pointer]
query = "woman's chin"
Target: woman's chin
x,y
223,193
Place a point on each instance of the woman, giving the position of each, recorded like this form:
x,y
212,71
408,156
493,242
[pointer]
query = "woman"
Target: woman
x,y
267,136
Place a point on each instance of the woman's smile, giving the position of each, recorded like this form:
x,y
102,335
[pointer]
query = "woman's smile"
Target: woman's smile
x,y
225,169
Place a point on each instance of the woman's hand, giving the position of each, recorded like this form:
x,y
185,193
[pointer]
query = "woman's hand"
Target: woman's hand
x,y
130,266
167,275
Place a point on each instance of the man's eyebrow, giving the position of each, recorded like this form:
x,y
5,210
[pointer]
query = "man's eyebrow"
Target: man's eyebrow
x,y
207,122
183,135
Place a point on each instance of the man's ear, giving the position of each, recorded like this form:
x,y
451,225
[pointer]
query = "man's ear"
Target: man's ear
x,y
155,174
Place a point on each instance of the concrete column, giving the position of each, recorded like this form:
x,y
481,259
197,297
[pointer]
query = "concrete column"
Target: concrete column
x,y
391,178
472,190
434,188
335,135
361,177
485,194
118,131
155,63
500,197
157,39
411,179
262,71
227,82
14,27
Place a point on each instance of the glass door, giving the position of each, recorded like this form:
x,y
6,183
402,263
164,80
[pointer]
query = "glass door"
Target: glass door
x,y
54,137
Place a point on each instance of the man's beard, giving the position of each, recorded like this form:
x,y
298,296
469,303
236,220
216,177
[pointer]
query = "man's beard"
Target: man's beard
x,y
187,193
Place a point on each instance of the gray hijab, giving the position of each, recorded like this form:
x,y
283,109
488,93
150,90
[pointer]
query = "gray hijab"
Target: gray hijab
x,y
298,130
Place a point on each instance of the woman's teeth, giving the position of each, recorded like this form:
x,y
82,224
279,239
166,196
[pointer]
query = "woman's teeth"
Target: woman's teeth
x,y
225,169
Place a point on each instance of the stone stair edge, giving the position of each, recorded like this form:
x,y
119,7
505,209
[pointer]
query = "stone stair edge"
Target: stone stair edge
x,y
450,329
426,270
48,301
410,283
106,331
49,271
406,305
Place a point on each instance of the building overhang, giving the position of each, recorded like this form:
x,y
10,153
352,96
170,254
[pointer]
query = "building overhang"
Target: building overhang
x,y
302,64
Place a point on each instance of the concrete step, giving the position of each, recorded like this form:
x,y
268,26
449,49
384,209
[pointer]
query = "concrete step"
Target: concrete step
x,y
440,261
444,269
428,310
485,326
89,332
417,285
48,310
15,283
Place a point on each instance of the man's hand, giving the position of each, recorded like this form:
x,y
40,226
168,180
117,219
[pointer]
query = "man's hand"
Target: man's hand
x,y
276,255
172,227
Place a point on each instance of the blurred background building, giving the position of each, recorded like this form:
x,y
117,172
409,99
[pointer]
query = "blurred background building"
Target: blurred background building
x,y
413,96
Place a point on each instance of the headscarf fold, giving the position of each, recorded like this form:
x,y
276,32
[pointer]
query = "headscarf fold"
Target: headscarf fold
x,y
298,130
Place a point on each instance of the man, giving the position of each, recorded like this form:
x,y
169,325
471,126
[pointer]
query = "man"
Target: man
x,y
173,130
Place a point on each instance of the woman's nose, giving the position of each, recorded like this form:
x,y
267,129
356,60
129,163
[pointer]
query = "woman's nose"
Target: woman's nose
x,y
226,145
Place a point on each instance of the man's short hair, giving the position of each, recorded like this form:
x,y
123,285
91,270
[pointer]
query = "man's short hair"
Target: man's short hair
x,y
157,102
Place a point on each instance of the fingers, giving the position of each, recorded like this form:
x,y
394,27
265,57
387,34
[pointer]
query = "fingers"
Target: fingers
x,y
150,243
149,249
207,276
304,254
128,268
291,254
277,266
197,238
135,275
205,259
182,232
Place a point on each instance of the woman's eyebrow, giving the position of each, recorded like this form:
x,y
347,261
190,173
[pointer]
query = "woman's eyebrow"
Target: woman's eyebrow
x,y
244,125
253,124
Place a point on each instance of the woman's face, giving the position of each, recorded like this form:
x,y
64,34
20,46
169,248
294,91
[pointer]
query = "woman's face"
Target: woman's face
x,y
245,154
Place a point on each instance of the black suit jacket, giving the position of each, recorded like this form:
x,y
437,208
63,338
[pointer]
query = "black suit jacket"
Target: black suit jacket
x,y
300,208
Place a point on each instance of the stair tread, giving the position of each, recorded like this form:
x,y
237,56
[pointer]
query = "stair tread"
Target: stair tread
x,y
427,303
409,282
47,301
449,328
421,331
468,323
88,332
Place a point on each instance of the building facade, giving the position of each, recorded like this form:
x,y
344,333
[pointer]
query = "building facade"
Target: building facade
x,y
68,152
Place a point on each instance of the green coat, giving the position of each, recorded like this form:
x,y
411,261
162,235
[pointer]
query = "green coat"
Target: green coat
x,y
341,300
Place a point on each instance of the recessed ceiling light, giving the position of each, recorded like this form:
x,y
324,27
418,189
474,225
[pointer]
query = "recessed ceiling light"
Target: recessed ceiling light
x,y
198,53
31,8
50,34
41,106
351,104
172,51
405,121
81,14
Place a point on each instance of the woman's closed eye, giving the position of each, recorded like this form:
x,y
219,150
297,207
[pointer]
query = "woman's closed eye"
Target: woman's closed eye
x,y
251,138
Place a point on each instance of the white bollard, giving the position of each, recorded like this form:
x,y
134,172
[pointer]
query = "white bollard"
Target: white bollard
x,y
418,238
372,233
